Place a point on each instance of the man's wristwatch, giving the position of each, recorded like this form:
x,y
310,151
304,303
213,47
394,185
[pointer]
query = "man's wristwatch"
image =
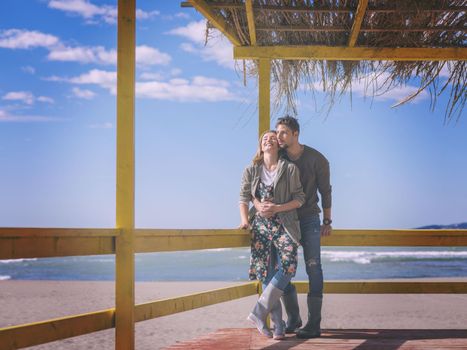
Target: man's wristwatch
x,y
327,221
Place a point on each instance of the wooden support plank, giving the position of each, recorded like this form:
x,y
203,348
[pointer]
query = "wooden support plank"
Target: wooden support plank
x,y
41,232
345,53
61,328
46,247
321,9
251,21
22,336
25,243
171,306
264,95
388,287
17,243
396,238
125,203
202,7
357,21
174,240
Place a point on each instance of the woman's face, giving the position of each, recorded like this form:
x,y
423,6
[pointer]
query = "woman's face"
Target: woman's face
x,y
269,143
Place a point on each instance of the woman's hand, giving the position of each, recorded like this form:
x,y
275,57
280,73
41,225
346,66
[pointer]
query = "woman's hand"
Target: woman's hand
x,y
244,226
266,209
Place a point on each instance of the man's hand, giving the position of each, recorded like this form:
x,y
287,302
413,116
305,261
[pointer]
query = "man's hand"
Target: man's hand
x,y
326,230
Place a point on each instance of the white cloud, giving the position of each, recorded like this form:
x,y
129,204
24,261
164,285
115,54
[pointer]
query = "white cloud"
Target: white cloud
x,y
151,76
106,125
104,79
183,90
25,39
396,93
182,15
96,54
217,49
203,81
197,89
6,117
175,71
45,99
194,31
140,14
145,55
83,93
92,13
28,69
374,86
23,96
26,97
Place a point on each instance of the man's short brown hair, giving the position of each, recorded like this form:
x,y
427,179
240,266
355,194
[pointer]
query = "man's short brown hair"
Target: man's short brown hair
x,y
290,122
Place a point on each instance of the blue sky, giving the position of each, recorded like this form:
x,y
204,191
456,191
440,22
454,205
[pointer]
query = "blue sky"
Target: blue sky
x,y
196,129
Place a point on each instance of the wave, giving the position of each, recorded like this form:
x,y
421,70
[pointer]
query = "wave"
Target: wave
x,y
367,257
218,249
13,261
4,278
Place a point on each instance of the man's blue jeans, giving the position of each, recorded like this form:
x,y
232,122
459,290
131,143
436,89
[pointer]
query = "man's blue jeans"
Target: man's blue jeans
x,y
310,228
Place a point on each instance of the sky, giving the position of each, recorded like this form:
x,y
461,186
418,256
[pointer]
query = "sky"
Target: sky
x,y
196,129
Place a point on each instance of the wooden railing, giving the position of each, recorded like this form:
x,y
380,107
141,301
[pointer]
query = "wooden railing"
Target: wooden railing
x,y
18,243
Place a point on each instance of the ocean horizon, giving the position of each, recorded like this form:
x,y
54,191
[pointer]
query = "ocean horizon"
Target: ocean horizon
x,y
231,264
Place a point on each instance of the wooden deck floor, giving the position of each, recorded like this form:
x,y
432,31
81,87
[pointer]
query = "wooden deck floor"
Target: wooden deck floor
x,y
355,339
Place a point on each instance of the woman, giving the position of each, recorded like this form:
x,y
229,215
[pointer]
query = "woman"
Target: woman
x,y
273,185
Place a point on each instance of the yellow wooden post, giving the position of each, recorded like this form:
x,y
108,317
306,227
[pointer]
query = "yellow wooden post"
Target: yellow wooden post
x,y
264,87
125,262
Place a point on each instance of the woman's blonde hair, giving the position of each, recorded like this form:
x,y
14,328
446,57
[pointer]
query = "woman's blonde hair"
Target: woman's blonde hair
x,y
259,156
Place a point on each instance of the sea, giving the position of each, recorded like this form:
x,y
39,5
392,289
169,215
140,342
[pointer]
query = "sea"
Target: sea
x,y
231,264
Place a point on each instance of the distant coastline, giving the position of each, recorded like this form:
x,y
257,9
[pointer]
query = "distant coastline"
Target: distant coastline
x,y
461,226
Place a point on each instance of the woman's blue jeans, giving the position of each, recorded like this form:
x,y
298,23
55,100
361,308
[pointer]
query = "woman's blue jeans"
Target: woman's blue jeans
x,y
277,277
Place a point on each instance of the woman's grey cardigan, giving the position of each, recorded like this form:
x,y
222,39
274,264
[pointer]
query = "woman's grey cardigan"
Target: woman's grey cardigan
x,y
287,187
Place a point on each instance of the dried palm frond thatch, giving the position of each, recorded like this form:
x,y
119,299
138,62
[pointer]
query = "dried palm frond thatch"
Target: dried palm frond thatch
x,y
386,23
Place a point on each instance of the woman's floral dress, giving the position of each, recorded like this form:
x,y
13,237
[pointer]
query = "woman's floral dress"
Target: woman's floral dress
x,y
268,232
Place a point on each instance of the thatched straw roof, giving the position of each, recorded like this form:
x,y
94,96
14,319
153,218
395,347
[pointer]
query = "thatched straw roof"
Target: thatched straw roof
x,y
434,24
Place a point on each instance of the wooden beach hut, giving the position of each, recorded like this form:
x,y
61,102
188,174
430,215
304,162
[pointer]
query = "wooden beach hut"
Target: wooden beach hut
x,y
340,39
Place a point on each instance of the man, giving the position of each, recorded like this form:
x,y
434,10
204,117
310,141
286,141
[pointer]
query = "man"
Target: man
x,y
315,177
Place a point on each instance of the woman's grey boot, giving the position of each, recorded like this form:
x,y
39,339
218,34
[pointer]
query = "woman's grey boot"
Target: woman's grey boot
x,y
290,301
312,328
270,296
279,325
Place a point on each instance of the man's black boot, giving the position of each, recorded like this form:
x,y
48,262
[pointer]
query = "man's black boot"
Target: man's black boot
x,y
312,328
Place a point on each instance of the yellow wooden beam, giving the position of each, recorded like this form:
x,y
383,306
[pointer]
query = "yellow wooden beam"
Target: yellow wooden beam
x,y
26,335
171,306
174,240
218,22
16,243
41,232
387,287
251,21
125,260
264,99
396,238
357,21
61,328
345,53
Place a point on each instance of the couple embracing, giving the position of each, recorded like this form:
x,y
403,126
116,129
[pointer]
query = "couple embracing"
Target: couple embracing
x,y
282,183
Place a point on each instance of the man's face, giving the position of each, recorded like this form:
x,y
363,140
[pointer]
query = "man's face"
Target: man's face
x,y
285,136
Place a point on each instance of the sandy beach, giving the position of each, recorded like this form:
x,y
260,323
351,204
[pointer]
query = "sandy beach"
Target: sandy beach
x,y
30,301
